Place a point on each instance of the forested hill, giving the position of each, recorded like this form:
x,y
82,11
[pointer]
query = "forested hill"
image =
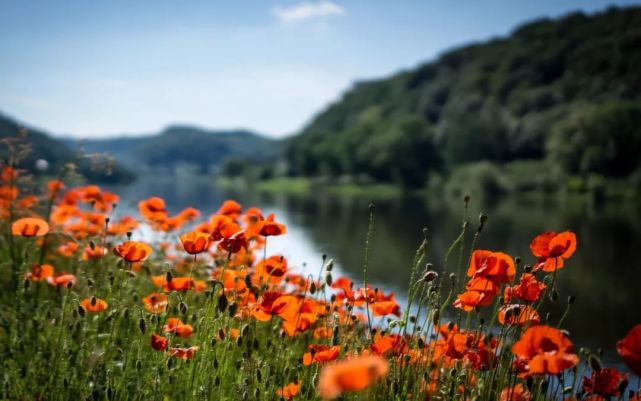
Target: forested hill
x,y
56,153
564,91
186,146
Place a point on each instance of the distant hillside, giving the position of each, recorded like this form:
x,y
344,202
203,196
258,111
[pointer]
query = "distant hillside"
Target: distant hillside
x,y
57,154
185,146
566,92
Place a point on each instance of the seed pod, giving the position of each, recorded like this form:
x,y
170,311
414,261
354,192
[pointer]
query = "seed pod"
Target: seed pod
x,y
142,325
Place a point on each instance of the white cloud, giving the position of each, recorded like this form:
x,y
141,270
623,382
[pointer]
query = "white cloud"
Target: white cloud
x,y
305,11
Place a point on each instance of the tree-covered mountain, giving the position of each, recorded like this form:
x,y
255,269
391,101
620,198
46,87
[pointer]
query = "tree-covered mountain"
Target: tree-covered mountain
x,y
185,146
565,92
41,146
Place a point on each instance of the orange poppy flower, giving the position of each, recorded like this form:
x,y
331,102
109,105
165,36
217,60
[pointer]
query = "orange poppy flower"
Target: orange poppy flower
x,y
133,251
355,374
272,228
275,303
153,209
469,300
289,391
40,272
176,326
605,382
234,239
320,353
94,304
552,249
195,242
159,343
183,353
230,208
518,315
545,350
529,289
299,323
68,248
62,280
516,393
629,348
385,308
155,302
388,345
272,269
30,227
94,253
495,266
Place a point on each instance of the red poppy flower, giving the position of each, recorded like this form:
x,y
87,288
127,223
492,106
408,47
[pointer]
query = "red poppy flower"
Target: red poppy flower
x,y
388,345
62,280
40,272
153,209
155,302
195,242
604,382
469,300
133,251
518,315
545,350
159,343
176,326
183,353
355,374
529,289
320,353
552,249
517,393
94,304
30,227
271,228
494,266
630,349
289,391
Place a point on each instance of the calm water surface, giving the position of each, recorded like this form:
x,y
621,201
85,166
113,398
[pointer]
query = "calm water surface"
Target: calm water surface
x,y
604,274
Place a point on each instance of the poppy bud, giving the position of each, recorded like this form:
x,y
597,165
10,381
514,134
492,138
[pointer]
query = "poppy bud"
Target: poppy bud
x,y
554,295
430,275
223,302
69,285
81,311
371,206
571,299
413,319
125,313
26,284
328,279
623,385
466,198
138,364
420,343
92,245
312,288
517,260
90,283
594,363
142,325
436,318
453,279
233,307
330,265
107,220
217,381
129,234
182,307
425,231
170,364
110,393
259,376
216,364
221,334
527,268
529,382
169,277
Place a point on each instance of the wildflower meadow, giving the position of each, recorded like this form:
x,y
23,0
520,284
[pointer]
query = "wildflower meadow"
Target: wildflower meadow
x,y
198,308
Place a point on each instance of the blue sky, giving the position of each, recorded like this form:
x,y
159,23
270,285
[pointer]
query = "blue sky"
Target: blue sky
x,y
92,68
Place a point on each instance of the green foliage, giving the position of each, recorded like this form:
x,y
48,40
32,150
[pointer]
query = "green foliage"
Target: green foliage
x,y
604,140
57,154
496,101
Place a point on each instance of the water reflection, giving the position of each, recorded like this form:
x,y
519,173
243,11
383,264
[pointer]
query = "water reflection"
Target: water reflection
x,y
604,274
